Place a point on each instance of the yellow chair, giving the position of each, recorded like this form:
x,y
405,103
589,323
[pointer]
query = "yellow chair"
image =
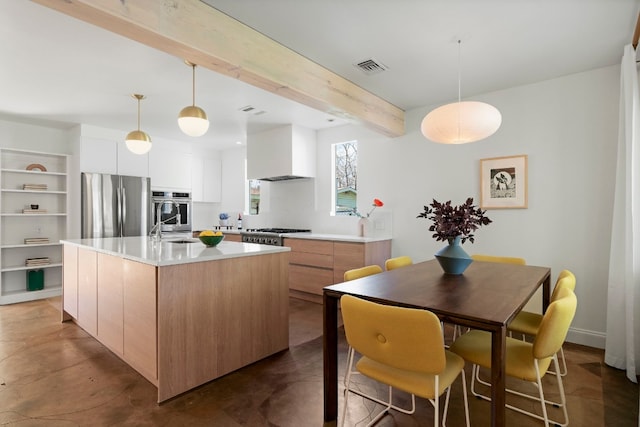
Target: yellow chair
x,y
402,348
354,274
491,258
526,361
528,323
504,259
397,262
357,273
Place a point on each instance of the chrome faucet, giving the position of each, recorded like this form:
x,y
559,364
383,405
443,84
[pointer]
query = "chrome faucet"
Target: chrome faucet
x,y
156,230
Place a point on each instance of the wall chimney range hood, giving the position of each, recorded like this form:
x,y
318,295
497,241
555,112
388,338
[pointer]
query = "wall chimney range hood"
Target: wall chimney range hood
x,y
281,154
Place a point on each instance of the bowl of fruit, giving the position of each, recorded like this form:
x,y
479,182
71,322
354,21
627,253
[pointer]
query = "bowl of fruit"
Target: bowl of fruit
x,y
211,238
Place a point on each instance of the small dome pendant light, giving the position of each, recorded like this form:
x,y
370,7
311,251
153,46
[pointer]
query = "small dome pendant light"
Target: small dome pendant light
x,y
137,141
192,119
461,122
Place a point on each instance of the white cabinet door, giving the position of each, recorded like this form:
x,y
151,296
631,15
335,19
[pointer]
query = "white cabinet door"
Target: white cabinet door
x,y
130,163
197,181
169,169
205,179
212,178
98,155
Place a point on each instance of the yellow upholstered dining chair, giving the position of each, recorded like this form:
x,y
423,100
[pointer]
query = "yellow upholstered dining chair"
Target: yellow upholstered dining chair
x,y
402,348
354,274
524,360
357,273
493,258
397,262
528,323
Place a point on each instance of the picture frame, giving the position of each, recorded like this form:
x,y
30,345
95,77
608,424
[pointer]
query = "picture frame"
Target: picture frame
x,y
503,182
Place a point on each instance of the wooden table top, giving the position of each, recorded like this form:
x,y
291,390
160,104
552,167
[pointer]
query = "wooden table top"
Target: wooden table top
x,y
487,293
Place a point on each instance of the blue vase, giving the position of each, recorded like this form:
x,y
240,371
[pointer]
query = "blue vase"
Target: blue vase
x,y
452,258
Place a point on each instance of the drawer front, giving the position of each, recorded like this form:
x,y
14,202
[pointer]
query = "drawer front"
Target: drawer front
x,y
310,259
347,256
309,279
311,246
232,238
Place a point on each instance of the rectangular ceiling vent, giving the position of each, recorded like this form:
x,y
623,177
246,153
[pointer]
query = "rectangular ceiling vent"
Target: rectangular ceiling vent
x,y
251,110
371,66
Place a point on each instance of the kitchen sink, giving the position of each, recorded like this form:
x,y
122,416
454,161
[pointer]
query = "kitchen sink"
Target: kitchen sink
x,y
184,241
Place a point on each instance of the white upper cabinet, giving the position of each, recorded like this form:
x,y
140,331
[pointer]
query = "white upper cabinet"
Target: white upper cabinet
x,y
282,153
169,169
99,155
206,175
130,163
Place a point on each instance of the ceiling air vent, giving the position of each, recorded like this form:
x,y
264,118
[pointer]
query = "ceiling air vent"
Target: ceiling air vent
x,y
371,66
249,109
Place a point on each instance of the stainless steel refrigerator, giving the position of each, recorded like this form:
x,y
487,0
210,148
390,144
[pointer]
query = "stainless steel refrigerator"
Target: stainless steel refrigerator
x,y
115,205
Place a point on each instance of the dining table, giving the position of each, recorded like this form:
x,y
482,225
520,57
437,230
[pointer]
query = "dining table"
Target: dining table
x,y
487,296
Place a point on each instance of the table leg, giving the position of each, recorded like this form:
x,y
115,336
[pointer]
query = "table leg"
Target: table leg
x,y
498,395
330,357
546,293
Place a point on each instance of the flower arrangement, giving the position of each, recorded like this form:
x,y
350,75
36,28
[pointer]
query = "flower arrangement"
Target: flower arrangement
x,y
377,203
450,222
223,216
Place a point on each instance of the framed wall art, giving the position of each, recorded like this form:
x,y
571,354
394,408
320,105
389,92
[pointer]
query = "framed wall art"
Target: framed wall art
x,y
503,182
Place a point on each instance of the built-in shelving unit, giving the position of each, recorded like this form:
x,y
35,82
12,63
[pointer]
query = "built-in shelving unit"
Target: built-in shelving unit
x,y
43,225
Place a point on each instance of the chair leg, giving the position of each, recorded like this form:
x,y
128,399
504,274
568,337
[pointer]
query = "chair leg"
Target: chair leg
x,y
564,363
388,404
464,396
539,399
541,392
347,383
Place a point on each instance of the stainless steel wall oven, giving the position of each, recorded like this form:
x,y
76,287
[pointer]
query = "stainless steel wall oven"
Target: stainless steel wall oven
x,y
173,209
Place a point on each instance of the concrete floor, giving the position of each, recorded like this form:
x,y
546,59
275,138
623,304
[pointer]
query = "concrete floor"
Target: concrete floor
x,y
54,374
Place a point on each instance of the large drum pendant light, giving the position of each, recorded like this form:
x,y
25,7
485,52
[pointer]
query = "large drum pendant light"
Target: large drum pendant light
x,y
192,119
461,122
137,141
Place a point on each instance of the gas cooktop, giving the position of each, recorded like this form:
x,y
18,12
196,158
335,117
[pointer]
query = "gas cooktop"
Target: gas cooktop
x,y
276,230
268,236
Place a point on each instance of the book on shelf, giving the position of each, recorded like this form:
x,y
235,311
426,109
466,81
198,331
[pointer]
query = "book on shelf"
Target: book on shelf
x,y
34,211
35,240
31,262
34,187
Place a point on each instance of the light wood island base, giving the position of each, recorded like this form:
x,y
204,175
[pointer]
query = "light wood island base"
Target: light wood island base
x,y
180,325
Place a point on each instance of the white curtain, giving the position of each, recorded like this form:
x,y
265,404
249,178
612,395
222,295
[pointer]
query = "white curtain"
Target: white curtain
x,y
623,307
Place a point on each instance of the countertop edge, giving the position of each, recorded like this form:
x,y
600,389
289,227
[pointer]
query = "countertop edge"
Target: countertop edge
x,y
336,237
249,249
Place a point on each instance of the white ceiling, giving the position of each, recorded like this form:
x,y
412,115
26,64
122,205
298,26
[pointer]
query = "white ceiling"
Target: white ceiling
x,y
58,69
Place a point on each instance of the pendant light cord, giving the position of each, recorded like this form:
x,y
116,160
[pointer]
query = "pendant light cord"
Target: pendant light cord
x,y
193,87
138,113
459,70
459,86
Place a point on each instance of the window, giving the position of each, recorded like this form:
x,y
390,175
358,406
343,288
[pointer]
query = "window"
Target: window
x,y
345,175
254,197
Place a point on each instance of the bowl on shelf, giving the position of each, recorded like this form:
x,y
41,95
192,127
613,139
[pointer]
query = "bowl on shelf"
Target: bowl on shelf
x,y
211,241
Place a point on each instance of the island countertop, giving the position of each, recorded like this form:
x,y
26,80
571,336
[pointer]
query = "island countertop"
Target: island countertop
x,y
164,252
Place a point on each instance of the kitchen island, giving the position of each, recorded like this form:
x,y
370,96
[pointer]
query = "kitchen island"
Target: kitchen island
x,y
181,314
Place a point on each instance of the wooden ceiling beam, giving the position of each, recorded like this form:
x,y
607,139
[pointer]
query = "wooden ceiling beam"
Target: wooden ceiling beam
x,y
192,30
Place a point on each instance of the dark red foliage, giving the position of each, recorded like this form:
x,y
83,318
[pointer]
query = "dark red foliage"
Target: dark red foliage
x,y
450,222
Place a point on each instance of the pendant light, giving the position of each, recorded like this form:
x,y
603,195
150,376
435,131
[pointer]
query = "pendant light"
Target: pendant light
x,y
137,141
193,120
461,122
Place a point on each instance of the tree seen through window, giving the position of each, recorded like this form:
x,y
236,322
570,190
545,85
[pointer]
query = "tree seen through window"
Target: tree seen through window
x,y
346,177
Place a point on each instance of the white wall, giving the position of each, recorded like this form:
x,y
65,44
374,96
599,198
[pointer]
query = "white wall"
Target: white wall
x,y
568,129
